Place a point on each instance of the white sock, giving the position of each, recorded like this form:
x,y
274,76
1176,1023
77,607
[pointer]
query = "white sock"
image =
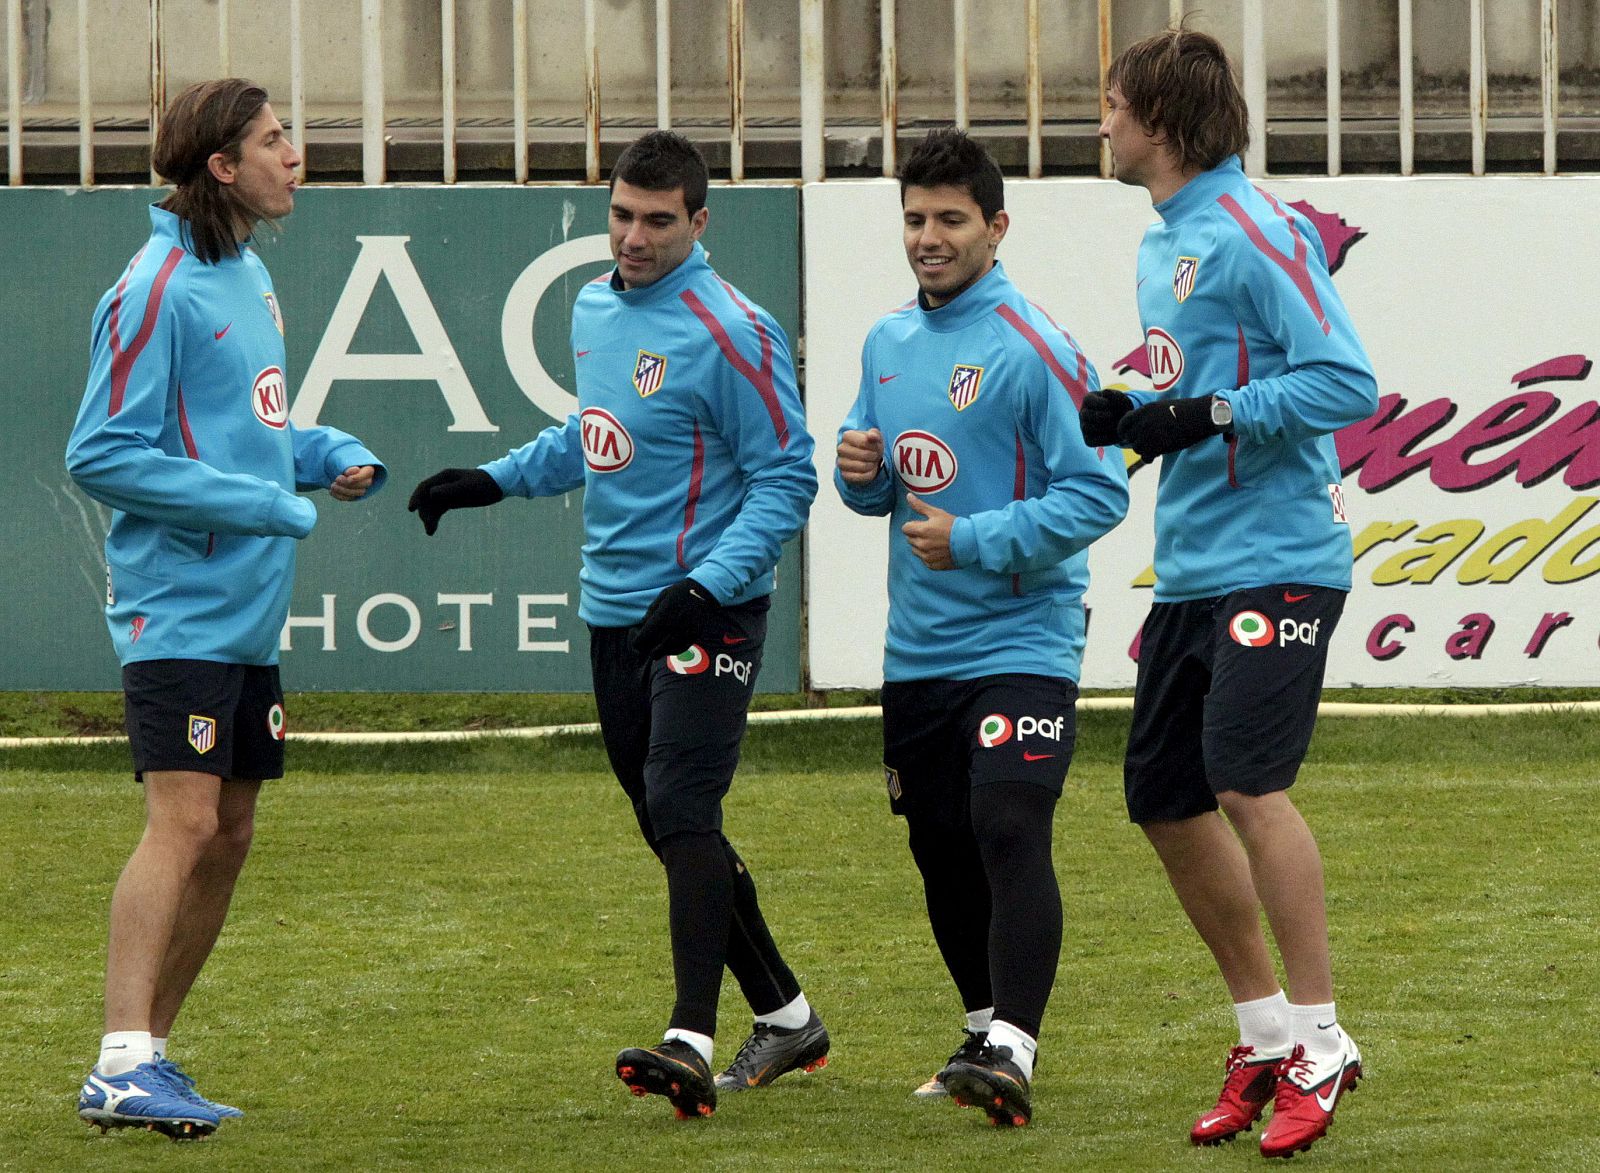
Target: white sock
x,y
979,1020
1317,1027
1264,1025
1023,1047
792,1016
699,1042
123,1050
158,1047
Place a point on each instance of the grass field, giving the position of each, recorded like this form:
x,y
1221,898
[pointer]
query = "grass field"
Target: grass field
x,y
436,951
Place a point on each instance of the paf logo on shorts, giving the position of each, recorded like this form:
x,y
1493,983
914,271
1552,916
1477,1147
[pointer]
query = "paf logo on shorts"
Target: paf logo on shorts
x,y
275,722
277,314
1183,276
202,733
1165,357
924,462
964,384
269,398
690,662
648,372
1250,628
726,665
607,447
993,730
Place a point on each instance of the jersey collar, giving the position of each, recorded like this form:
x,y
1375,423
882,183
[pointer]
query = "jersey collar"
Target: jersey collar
x,y
1202,190
972,303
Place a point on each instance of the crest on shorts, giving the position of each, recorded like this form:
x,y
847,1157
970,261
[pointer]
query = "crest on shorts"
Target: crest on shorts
x,y
891,779
277,314
648,372
202,733
964,383
1183,277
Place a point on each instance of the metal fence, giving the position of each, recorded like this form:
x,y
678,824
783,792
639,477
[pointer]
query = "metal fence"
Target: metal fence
x,y
812,119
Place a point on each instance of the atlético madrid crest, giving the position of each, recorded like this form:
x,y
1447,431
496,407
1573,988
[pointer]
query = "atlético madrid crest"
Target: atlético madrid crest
x,y
964,384
202,733
648,372
1183,277
277,314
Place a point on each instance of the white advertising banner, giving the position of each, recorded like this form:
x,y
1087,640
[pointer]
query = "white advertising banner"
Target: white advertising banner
x,y
1472,492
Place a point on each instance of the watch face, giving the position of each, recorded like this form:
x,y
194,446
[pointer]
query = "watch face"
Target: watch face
x,y
1221,413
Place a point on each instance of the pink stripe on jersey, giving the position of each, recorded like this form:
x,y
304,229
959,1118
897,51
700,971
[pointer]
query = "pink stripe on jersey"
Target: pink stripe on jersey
x,y
194,454
1077,386
761,379
122,360
696,473
1297,269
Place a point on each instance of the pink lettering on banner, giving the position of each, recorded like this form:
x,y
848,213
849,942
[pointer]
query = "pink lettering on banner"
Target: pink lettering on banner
x,y
1384,446
1469,642
1548,626
1379,644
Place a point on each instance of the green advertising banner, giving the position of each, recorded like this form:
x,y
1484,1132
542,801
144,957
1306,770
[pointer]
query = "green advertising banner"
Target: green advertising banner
x,y
432,323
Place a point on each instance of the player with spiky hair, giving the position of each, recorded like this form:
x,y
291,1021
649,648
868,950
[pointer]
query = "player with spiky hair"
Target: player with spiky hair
x,y
965,435
691,447
184,433
1255,365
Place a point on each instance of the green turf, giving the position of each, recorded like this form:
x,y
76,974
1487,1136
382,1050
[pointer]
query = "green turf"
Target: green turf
x,y
437,950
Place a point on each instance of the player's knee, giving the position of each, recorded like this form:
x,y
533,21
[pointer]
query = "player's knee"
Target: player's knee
x,y
187,828
1012,819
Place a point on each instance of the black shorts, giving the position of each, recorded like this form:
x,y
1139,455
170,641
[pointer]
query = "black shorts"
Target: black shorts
x,y
210,718
943,737
673,726
1226,697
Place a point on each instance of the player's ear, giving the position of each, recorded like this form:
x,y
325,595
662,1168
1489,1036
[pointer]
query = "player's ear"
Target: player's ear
x,y
222,168
998,227
697,223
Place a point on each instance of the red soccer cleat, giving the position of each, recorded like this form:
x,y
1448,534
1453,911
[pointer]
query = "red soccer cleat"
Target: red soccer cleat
x,y
1247,1087
1308,1091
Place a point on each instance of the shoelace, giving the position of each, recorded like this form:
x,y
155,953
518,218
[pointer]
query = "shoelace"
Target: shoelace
x,y
972,1047
1295,1064
757,1037
1238,1057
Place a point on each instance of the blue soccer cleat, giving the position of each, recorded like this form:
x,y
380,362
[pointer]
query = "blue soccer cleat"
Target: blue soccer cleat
x,y
143,1098
183,1083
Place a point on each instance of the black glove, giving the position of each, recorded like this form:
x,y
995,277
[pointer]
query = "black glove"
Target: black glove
x,y
452,488
1099,415
669,626
1166,426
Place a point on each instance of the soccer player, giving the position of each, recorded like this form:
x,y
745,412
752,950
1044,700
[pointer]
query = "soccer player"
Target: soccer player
x,y
184,433
965,434
691,447
1255,366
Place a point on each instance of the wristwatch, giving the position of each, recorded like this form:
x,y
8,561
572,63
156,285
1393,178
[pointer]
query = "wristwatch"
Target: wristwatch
x,y
1221,413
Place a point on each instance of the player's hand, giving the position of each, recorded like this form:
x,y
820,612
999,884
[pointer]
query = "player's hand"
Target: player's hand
x,y
930,537
669,626
1167,426
860,456
452,488
1099,416
352,484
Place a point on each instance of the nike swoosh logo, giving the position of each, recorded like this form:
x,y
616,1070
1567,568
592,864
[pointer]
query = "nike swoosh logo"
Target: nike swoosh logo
x,y
218,335
1172,408
882,379
1288,598
730,640
1333,1090
1323,1025
1213,1120
1037,757
581,353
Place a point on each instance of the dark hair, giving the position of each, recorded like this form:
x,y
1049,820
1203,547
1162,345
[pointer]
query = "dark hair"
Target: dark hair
x,y
950,156
208,118
1179,85
664,161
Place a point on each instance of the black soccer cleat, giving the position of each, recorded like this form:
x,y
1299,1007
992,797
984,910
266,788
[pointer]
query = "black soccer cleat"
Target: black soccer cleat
x,y
771,1051
991,1081
969,1048
673,1069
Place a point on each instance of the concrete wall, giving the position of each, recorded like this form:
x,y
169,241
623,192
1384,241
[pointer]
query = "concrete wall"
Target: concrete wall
x,y
259,48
